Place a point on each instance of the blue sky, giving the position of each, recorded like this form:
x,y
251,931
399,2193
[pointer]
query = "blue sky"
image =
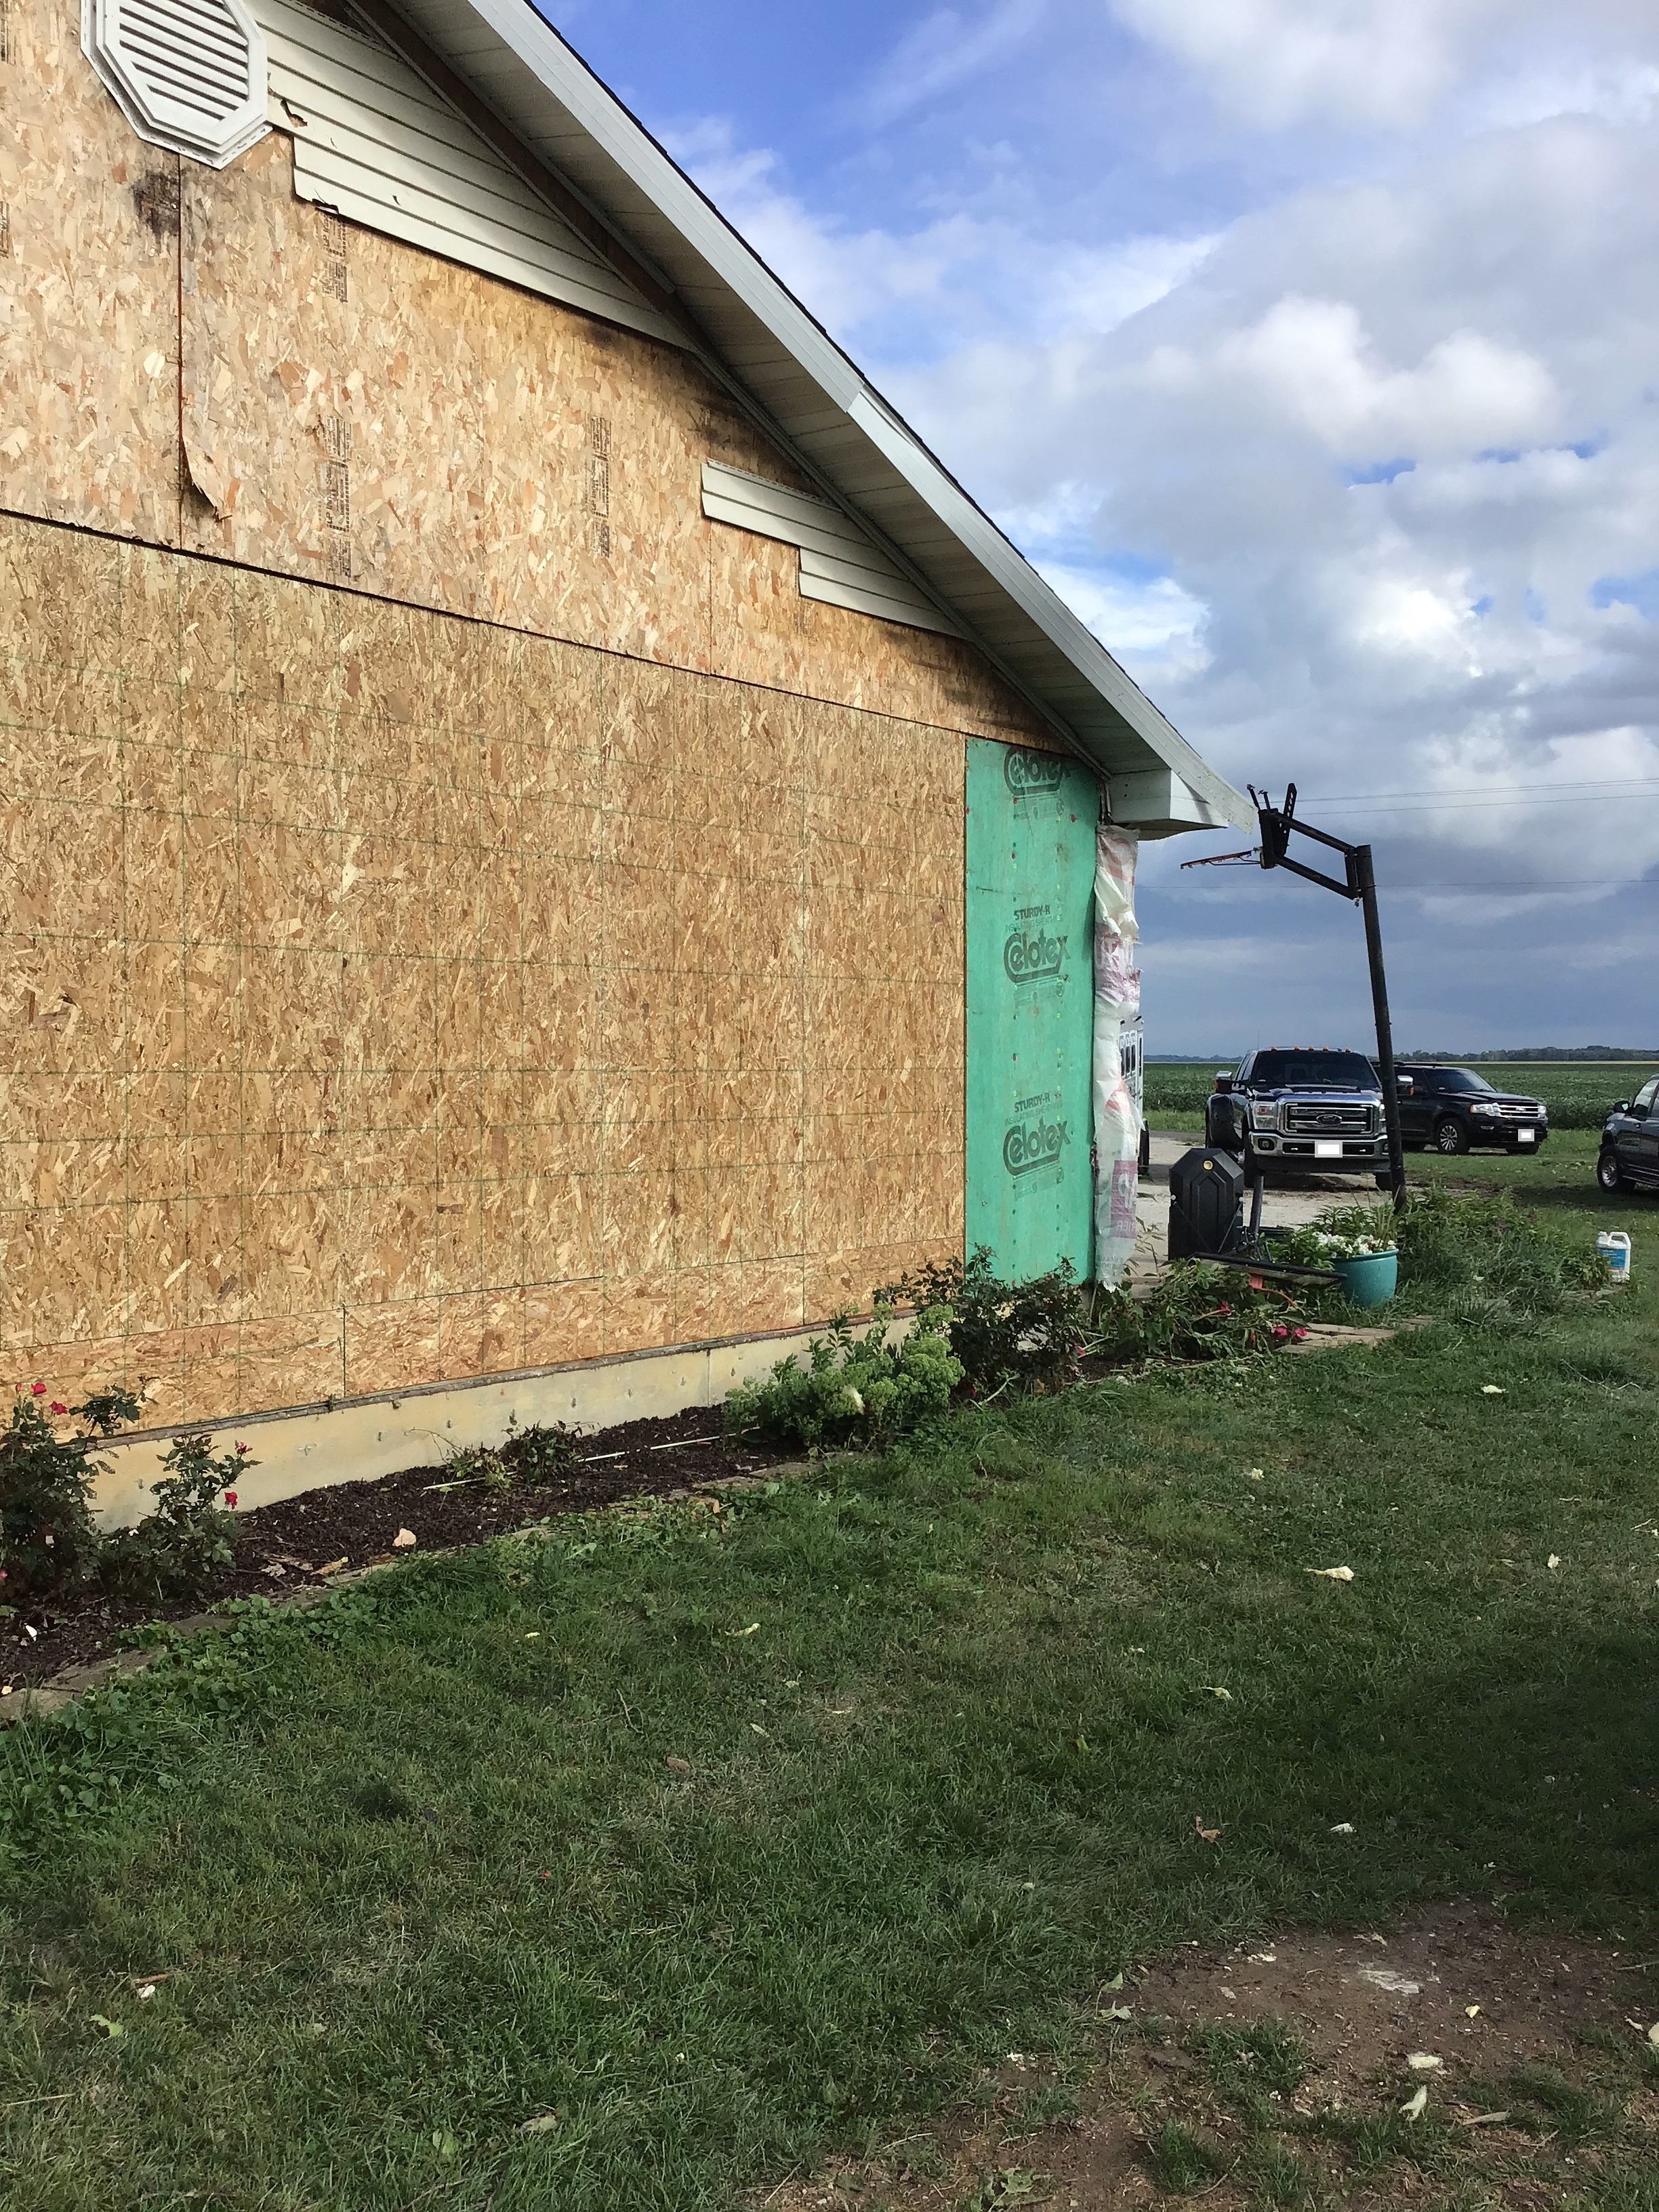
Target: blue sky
x,y
1311,349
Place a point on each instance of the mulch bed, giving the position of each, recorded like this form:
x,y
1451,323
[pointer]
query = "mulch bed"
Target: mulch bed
x,y
281,1548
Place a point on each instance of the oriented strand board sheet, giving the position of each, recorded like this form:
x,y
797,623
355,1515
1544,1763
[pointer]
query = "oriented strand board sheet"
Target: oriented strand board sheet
x,y
390,997
197,356
357,410
88,291
1030,862
482,917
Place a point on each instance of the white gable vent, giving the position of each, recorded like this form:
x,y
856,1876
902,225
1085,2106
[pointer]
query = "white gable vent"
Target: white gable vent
x,y
189,75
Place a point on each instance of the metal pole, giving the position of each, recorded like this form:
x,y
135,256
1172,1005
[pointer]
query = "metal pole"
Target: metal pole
x,y
1367,882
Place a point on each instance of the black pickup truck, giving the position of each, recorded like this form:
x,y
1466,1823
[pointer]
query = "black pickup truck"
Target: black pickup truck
x,y
1313,1112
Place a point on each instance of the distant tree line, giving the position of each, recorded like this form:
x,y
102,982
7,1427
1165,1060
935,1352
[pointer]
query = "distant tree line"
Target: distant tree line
x,y
1543,1052
1439,1055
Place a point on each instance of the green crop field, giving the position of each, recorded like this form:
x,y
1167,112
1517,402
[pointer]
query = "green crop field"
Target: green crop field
x,y
1579,1094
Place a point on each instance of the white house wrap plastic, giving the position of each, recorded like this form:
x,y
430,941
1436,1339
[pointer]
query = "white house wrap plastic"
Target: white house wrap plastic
x,y
1117,999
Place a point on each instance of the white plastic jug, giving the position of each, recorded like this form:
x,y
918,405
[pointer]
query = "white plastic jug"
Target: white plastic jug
x,y
1614,1246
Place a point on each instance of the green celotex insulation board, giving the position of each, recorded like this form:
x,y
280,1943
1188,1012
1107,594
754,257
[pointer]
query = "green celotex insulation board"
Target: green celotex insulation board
x,y
1031,819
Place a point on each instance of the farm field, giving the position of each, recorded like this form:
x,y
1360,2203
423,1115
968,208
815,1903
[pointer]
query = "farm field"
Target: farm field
x,y
1579,1094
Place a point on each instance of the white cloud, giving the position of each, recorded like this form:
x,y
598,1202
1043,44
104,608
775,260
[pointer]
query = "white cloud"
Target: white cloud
x,y
845,276
1622,91
1277,62
941,52
1314,360
953,270
1155,629
1097,288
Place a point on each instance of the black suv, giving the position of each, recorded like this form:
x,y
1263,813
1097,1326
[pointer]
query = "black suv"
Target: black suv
x,y
1454,1110
1315,1111
1629,1141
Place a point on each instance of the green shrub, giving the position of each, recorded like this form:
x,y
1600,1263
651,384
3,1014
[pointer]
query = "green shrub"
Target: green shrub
x,y
535,1455
1030,1332
539,1453
854,1389
467,1464
48,1540
179,1549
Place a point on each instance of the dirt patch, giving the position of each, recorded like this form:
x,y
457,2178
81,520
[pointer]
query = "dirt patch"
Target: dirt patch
x,y
1282,2072
281,1548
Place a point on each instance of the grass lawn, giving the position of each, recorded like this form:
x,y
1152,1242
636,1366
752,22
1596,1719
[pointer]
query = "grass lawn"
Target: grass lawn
x,y
725,1835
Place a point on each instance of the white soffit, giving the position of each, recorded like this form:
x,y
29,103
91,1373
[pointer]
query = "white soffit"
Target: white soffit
x,y
188,75
1160,803
838,563
374,142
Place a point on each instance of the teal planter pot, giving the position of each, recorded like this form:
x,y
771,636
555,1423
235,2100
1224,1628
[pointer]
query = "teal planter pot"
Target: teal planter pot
x,y
1371,1281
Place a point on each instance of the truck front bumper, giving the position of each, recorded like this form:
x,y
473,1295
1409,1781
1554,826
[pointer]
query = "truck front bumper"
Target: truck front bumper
x,y
1321,1155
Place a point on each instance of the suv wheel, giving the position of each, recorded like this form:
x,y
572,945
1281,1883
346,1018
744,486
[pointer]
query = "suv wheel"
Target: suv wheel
x,y
1449,1137
1609,1173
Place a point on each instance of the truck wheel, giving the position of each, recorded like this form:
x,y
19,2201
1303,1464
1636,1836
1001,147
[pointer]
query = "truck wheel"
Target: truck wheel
x,y
1609,1173
1449,1137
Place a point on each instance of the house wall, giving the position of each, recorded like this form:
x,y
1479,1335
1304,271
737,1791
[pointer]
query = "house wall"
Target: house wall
x,y
465,911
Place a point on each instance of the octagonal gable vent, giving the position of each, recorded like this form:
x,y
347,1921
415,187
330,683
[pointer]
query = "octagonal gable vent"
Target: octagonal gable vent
x,y
189,75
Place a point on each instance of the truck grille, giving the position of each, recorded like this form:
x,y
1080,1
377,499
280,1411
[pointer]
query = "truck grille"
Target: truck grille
x,y
1319,1117
1520,1113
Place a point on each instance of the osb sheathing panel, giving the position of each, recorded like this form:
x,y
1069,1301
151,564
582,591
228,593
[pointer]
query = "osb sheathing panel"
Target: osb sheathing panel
x,y
393,998
195,357
354,406
88,291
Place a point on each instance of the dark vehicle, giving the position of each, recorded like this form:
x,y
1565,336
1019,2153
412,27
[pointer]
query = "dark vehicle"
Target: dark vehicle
x,y
1318,1112
1629,1141
1454,1110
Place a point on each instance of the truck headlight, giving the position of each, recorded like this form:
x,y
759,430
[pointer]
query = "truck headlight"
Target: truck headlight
x,y
1264,1117
1481,1106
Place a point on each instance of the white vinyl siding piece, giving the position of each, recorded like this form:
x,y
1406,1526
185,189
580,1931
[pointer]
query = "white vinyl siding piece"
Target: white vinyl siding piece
x,y
188,75
838,563
376,142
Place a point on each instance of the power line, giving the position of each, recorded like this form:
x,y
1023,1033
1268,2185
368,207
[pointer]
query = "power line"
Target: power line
x,y
1458,805
1499,883
1523,883
1514,794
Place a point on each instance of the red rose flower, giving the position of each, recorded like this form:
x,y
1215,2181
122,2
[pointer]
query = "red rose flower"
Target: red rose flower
x,y
230,1499
240,1449
37,1390
57,1408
